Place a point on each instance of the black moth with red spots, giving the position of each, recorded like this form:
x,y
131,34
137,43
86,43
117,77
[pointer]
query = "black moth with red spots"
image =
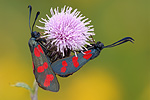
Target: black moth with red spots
x,y
45,67
42,70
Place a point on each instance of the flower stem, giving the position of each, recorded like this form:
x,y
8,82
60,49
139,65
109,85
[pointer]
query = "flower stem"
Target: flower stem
x,y
34,91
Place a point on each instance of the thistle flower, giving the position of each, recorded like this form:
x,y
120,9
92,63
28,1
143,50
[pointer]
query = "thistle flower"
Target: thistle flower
x,y
67,29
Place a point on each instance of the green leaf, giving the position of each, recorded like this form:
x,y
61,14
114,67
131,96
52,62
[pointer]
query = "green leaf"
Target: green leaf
x,y
23,85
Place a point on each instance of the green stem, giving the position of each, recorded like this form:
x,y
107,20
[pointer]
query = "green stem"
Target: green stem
x,y
34,91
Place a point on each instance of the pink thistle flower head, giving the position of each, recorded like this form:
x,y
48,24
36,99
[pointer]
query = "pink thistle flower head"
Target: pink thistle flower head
x,y
67,29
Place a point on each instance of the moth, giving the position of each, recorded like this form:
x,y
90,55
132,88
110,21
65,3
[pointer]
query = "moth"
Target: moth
x,y
45,67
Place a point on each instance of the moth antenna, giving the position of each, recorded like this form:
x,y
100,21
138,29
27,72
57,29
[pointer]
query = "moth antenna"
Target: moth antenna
x,y
30,10
126,39
37,14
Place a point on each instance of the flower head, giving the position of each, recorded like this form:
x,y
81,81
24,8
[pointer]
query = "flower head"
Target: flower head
x,y
67,29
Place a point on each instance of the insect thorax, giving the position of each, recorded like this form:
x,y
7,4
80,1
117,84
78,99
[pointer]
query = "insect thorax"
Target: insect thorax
x,y
32,43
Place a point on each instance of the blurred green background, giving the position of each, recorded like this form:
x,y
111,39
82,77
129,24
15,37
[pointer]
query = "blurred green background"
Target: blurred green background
x,y
120,73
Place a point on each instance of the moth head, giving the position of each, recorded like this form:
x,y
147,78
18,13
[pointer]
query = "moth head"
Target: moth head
x,y
35,34
99,45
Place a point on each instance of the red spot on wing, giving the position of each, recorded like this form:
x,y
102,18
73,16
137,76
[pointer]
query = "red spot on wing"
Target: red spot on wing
x,y
63,69
64,63
40,49
76,64
45,65
75,61
87,52
87,56
40,69
36,52
49,78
